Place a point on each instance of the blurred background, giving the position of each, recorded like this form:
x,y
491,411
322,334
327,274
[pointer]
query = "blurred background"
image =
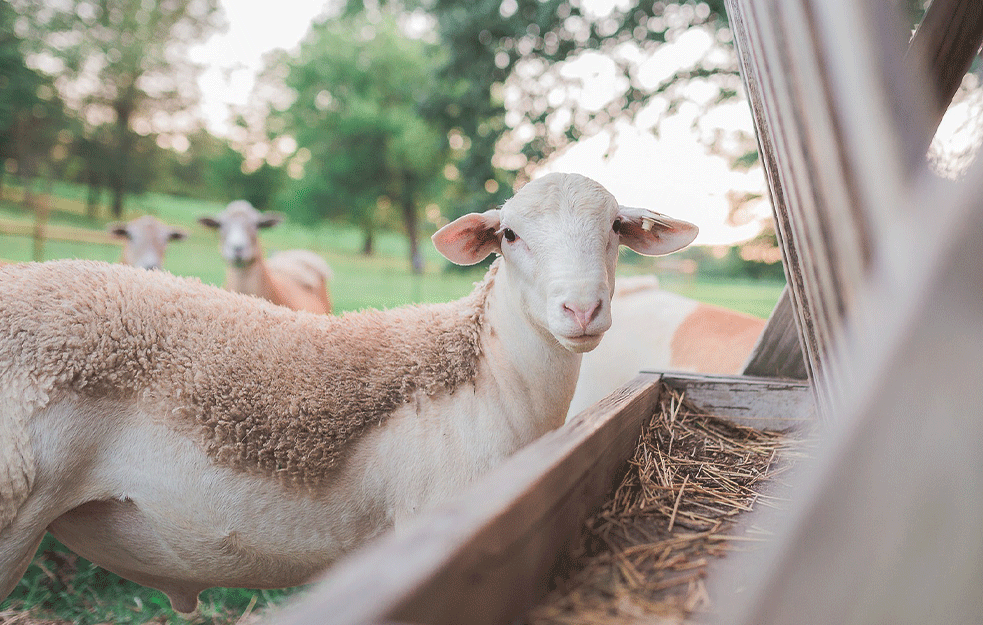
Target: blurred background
x,y
372,124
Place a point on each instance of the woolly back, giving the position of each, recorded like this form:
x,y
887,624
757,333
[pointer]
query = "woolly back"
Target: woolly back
x,y
262,388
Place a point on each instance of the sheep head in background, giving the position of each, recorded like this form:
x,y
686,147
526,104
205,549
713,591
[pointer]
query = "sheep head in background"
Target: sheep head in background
x,y
238,229
185,437
146,240
297,279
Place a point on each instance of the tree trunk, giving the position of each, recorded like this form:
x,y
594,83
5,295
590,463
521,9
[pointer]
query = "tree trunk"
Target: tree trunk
x,y
369,244
410,220
92,199
124,147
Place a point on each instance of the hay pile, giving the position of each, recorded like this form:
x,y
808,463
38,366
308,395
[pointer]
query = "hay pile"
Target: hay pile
x,y
645,554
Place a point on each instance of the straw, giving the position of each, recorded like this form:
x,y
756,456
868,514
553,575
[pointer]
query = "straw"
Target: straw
x,y
645,553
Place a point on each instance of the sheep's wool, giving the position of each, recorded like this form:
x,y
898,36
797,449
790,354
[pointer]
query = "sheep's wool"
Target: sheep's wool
x,y
262,388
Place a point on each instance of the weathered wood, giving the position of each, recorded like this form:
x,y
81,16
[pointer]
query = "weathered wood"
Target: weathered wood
x,y
943,48
824,100
763,403
485,557
778,352
891,530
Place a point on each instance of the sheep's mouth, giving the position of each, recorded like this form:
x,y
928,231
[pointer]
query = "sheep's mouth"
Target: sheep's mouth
x,y
580,343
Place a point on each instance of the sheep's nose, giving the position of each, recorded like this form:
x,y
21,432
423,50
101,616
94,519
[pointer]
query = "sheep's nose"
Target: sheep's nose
x,y
583,314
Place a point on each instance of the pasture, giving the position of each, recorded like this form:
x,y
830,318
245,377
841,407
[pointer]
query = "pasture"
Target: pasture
x,y
60,587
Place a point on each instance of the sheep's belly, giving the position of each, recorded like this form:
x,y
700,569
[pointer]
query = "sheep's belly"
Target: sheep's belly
x,y
119,537
152,507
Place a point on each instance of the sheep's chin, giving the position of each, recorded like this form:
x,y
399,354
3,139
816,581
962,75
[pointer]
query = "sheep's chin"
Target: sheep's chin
x,y
580,344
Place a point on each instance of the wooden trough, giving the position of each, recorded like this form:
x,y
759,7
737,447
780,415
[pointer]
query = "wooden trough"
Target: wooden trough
x,y
884,312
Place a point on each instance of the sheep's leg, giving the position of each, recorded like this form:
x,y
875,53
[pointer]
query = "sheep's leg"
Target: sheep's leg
x,y
18,543
17,466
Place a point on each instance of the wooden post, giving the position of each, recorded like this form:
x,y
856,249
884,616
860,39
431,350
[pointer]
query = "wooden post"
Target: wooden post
x,y
41,209
890,529
943,48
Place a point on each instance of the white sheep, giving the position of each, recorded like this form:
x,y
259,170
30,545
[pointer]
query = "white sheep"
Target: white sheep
x,y
146,240
297,279
185,437
662,331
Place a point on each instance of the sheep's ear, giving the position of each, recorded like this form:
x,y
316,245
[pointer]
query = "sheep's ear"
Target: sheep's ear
x,y
270,219
177,234
117,229
470,239
654,234
210,222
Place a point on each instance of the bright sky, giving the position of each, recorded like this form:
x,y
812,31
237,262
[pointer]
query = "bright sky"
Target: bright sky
x,y
672,173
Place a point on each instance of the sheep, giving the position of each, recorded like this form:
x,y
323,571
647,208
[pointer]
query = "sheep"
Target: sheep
x,y
662,331
184,437
146,239
297,279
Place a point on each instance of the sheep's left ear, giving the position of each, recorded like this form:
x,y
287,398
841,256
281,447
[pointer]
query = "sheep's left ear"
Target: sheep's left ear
x,y
269,219
470,239
117,229
653,234
177,234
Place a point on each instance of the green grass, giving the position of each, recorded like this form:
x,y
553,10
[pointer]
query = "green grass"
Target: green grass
x,y
58,585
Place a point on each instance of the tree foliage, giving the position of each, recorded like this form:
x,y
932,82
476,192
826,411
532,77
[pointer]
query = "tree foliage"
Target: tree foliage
x,y
515,103
362,144
124,66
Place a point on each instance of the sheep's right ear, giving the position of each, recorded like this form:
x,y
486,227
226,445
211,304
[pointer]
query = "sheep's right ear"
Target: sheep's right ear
x,y
117,229
269,219
470,239
209,222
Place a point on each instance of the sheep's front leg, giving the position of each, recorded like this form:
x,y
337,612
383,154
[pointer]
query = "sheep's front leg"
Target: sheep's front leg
x,y
18,543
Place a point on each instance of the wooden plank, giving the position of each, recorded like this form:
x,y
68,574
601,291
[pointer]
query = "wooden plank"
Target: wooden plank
x,y
890,530
828,106
943,48
764,403
59,233
778,352
485,557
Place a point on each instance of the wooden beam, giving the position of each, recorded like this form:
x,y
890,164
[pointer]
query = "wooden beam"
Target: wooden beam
x,y
485,557
778,352
59,233
943,48
763,403
889,530
828,106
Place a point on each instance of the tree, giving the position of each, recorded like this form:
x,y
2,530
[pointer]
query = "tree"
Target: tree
x,y
20,104
362,142
120,63
517,50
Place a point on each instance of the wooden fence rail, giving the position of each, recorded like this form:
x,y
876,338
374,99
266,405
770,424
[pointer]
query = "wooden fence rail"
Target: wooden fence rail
x,y
58,233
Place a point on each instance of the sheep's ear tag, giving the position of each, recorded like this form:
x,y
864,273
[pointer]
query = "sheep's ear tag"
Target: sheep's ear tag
x,y
469,239
654,234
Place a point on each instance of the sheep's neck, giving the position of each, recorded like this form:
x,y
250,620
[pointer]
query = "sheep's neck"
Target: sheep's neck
x,y
541,373
253,279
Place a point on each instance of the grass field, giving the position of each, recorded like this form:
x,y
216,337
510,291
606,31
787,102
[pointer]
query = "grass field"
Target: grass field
x,y
61,588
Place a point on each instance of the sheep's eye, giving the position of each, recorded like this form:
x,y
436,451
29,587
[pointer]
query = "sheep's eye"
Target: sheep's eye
x,y
616,226
509,234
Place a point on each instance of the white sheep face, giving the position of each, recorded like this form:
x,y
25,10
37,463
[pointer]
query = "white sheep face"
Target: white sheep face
x,y
146,240
559,236
238,227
